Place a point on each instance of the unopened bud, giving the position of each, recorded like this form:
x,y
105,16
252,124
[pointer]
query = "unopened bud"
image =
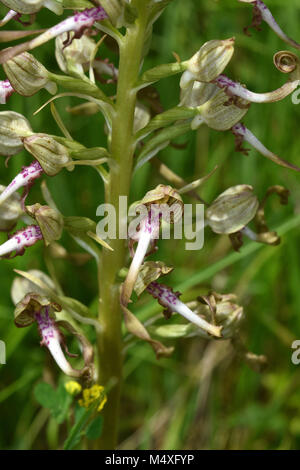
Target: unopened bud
x,y
50,221
27,75
13,127
211,59
232,210
51,155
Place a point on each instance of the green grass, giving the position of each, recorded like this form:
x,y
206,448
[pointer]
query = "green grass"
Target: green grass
x,y
203,396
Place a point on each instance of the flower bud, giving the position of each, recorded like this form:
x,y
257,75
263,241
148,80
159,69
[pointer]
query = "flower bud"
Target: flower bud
x,y
232,210
51,155
211,59
72,57
50,222
27,75
73,388
219,114
13,126
10,211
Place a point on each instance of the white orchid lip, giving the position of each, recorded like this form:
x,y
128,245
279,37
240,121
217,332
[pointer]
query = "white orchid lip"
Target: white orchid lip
x,y
51,338
9,16
20,240
6,90
262,13
233,88
168,299
25,178
243,134
149,230
77,23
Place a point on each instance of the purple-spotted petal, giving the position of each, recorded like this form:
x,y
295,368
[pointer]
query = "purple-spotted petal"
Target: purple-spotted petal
x,y
24,179
20,240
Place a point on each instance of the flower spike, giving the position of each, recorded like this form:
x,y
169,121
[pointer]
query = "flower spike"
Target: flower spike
x,y
236,89
20,240
243,134
262,13
78,24
168,299
25,178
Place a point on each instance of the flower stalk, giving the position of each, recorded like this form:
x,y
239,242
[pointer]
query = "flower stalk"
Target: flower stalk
x,y
110,317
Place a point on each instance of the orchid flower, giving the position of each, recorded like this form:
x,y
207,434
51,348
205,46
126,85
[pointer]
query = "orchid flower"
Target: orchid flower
x,y
6,90
20,240
36,308
236,89
168,299
243,134
148,233
25,178
262,13
52,338
77,23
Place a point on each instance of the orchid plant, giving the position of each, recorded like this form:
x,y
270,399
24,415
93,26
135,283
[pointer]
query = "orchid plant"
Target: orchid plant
x,y
135,136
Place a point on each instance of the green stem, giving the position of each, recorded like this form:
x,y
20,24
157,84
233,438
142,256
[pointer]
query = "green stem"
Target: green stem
x,y
122,150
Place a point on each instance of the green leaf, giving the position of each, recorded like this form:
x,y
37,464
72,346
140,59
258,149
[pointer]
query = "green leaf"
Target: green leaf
x,y
57,401
82,416
94,429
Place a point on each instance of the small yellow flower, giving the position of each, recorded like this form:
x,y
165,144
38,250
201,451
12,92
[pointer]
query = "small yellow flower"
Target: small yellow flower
x,y
90,395
73,388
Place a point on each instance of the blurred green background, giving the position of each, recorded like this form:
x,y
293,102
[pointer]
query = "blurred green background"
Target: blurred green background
x,y
203,397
